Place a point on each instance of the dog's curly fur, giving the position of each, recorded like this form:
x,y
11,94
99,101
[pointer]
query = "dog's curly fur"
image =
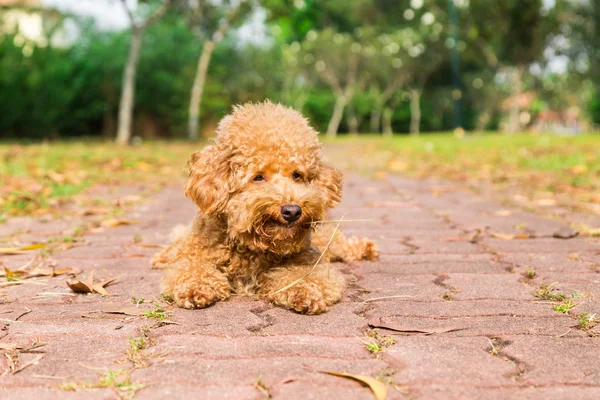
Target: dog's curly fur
x,y
265,156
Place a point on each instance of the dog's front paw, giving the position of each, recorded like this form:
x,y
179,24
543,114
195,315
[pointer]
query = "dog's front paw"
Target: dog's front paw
x,y
362,249
305,299
199,296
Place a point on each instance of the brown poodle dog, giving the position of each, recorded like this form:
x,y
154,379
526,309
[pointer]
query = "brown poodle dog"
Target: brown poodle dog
x,y
261,190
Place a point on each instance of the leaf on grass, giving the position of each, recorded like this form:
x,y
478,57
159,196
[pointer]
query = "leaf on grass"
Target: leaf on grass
x,y
117,309
377,322
111,223
19,250
378,388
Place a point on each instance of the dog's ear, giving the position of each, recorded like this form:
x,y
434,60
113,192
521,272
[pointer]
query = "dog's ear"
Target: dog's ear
x,y
207,182
330,180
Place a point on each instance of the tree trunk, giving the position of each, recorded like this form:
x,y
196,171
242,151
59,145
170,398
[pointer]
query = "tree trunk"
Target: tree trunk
x,y
353,122
387,122
415,111
300,102
336,117
198,88
514,123
128,90
376,117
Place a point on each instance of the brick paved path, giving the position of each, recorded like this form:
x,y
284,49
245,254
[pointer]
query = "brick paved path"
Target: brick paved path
x,y
437,254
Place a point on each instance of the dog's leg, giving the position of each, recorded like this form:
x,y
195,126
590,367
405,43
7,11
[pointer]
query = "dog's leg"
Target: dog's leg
x,y
195,285
313,295
342,248
164,258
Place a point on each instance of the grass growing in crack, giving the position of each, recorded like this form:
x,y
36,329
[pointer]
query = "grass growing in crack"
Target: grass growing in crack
x,y
167,298
587,321
137,344
137,300
565,306
119,381
545,293
262,387
530,273
158,313
447,296
376,343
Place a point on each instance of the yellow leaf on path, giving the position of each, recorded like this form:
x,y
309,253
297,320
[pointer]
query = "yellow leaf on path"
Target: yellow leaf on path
x,y
111,223
397,166
579,169
503,213
14,275
17,250
378,388
507,236
592,232
89,286
95,211
545,202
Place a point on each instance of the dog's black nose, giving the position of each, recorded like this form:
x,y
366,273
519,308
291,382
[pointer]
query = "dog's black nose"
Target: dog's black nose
x,y
291,212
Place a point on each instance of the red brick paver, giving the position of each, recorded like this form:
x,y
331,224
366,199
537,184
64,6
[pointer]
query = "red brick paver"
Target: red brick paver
x,y
440,267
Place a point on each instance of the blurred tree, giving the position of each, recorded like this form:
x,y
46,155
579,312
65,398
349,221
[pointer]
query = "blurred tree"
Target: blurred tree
x,y
336,58
151,14
210,21
520,32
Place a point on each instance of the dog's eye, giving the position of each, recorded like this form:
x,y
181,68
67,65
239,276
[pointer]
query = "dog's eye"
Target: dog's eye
x,y
258,178
297,176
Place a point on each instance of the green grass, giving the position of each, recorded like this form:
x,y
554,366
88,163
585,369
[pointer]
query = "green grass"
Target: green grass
x,y
44,178
565,170
48,177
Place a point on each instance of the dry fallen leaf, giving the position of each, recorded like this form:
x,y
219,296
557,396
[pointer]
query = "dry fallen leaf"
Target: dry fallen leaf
x,y
545,202
95,211
595,232
111,223
14,275
19,250
117,309
89,286
503,213
507,236
397,166
376,322
378,388
150,246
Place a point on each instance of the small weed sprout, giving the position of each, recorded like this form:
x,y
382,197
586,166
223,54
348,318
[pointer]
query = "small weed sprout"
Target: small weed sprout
x,y
545,293
565,306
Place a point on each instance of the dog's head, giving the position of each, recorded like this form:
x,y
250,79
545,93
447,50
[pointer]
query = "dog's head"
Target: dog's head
x,y
265,175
